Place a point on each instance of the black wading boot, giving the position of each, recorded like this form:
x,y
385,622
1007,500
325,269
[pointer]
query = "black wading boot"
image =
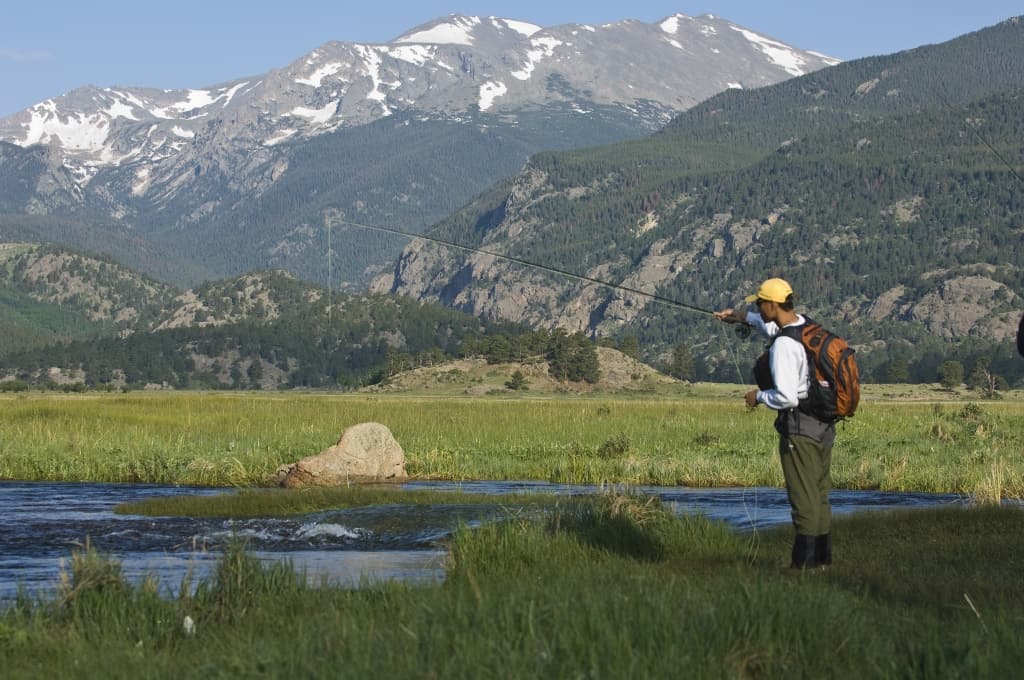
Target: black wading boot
x,y
823,550
804,554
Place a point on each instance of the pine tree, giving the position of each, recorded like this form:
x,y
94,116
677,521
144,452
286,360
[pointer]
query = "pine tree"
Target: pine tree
x,y
517,381
951,374
682,366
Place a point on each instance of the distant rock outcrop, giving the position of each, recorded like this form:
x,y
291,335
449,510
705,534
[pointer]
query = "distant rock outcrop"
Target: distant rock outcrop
x,y
366,452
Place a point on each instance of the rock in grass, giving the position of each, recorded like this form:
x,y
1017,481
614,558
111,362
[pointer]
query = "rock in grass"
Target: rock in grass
x,y
366,452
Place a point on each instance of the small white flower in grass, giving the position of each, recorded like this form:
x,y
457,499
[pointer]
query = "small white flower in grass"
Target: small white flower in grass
x,y
189,625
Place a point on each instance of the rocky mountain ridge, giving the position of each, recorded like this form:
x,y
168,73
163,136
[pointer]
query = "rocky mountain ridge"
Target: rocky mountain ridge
x,y
445,68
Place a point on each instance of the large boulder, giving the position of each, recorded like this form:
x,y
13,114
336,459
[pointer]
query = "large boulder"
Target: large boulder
x,y
366,452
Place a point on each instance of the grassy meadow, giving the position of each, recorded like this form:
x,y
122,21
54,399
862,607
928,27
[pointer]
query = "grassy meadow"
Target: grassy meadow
x,y
612,585
902,438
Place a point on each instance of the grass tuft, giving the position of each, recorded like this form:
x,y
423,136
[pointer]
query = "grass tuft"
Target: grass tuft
x,y
90,573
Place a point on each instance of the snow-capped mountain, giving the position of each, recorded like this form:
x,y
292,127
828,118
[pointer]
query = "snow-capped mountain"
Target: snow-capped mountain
x,y
133,151
445,67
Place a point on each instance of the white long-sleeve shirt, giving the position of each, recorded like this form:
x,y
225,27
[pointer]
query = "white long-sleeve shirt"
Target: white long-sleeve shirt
x,y
788,361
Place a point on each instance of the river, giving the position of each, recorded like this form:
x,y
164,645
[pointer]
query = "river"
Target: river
x,y
44,522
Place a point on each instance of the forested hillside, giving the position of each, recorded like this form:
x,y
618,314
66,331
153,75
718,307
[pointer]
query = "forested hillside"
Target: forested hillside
x,y
888,190
75,321
350,347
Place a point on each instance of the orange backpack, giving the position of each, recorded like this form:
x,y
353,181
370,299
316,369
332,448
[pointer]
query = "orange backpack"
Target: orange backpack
x,y
835,386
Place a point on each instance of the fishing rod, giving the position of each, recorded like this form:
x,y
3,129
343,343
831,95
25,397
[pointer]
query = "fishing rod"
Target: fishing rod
x,y
742,330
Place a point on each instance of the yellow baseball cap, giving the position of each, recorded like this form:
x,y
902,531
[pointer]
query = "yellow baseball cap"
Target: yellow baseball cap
x,y
772,290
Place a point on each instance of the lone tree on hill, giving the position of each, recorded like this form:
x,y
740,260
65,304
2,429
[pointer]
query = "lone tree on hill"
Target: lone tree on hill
x,y
573,358
517,381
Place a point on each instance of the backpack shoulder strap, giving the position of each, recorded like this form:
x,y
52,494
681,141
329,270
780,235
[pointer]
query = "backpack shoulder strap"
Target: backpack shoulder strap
x,y
795,332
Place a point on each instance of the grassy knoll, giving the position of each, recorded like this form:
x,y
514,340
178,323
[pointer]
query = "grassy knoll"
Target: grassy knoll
x,y
610,587
901,439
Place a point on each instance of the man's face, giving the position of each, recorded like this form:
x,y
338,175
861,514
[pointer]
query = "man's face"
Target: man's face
x,y
767,309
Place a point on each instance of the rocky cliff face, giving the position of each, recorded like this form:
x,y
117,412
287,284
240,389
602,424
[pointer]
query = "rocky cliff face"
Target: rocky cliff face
x,y
973,300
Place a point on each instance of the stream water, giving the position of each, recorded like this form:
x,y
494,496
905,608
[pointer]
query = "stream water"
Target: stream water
x,y
44,522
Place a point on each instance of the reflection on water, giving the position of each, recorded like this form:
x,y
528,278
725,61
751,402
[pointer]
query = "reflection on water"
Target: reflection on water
x,y
43,522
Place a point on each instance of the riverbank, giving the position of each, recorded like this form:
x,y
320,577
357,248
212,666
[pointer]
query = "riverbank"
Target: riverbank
x,y
902,439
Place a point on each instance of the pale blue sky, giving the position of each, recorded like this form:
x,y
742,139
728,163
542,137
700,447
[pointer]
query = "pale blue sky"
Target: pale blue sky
x,y
49,48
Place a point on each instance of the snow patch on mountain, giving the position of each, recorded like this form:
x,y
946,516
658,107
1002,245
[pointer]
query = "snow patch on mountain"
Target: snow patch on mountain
x,y
197,99
671,24
230,94
373,62
129,99
779,53
119,109
142,181
458,31
317,77
321,115
413,54
489,92
543,47
76,132
279,137
831,61
522,27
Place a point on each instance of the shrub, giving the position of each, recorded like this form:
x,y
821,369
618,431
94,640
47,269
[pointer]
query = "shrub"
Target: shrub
x,y
616,445
13,386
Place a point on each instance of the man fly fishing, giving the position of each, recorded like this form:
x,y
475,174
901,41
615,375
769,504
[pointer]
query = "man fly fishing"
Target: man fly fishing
x,y
805,441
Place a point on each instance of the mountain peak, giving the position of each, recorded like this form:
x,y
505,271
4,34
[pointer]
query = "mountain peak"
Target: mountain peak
x,y
458,29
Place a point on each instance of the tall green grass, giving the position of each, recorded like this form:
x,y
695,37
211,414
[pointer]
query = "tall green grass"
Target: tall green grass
x,y
607,587
227,439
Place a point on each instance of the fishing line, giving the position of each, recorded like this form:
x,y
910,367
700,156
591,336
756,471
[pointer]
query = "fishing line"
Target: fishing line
x,y
731,348
527,263
742,330
755,538
977,133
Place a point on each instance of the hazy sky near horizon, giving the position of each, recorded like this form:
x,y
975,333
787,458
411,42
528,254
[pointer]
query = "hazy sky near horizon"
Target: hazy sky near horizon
x,y
50,48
